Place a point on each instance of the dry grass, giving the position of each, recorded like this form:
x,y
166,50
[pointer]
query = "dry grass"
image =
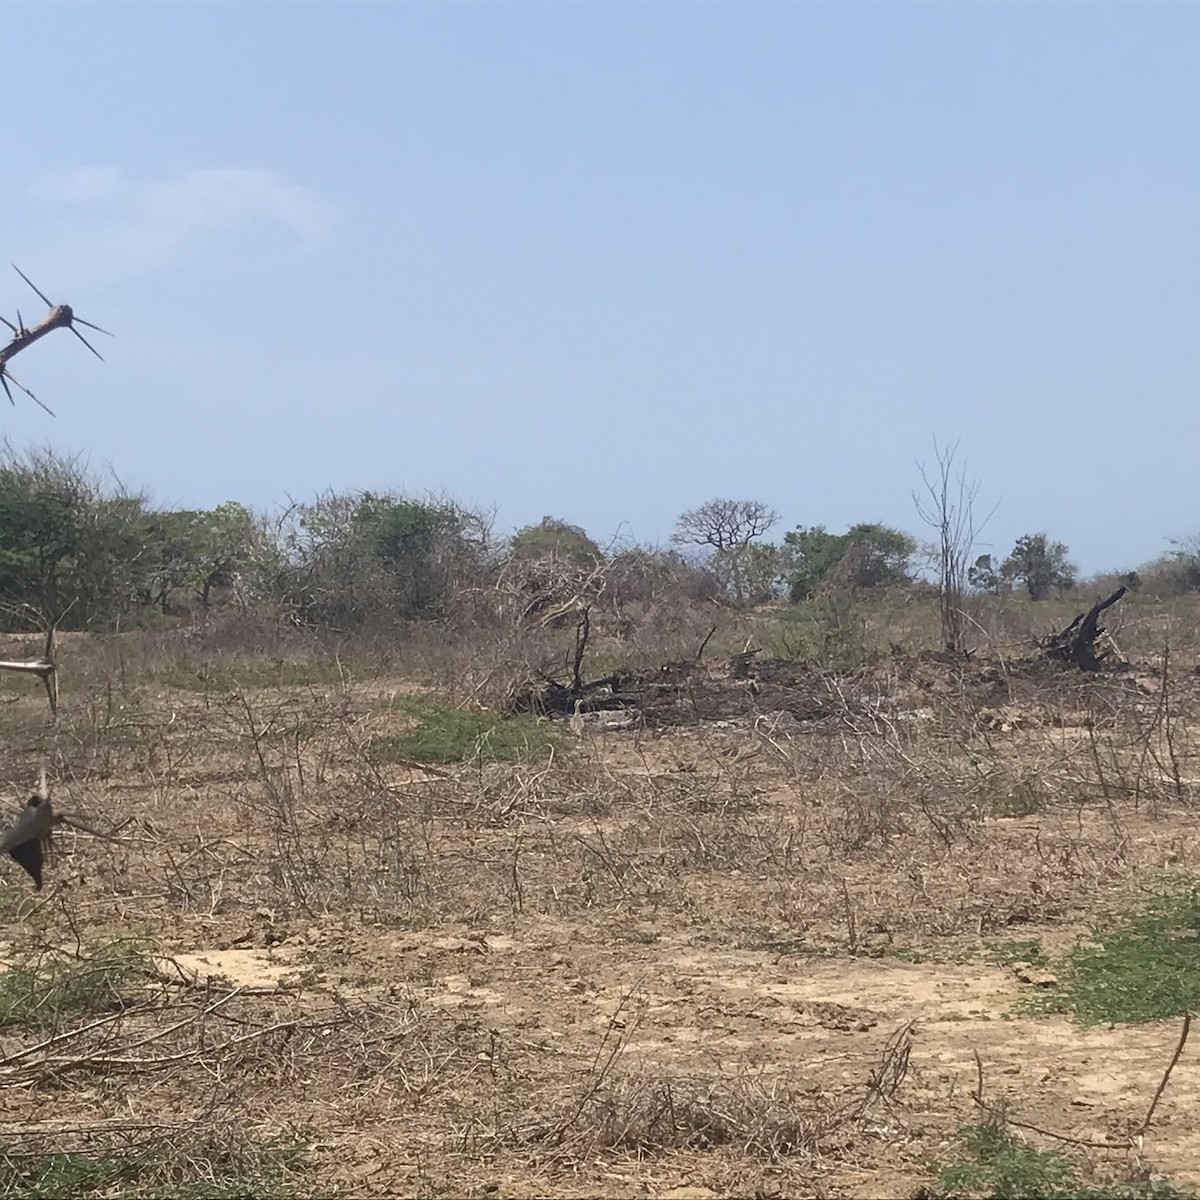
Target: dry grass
x,y
753,953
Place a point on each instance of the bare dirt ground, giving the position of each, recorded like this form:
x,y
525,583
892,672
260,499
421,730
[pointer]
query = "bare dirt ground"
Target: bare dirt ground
x,y
755,954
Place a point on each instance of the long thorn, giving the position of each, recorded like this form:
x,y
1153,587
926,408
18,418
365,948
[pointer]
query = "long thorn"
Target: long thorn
x,y
86,342
29,281
9,324
81,321
9,375
7,390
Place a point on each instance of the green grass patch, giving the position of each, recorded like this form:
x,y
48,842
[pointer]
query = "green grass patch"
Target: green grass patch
x,y
220,1169
51,988
225,680
1143,966
991,1163
442,734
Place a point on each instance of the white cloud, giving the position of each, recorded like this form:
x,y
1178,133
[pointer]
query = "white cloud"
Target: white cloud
x,y
145,225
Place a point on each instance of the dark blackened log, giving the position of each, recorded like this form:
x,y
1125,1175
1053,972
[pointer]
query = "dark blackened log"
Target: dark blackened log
x,y
1076,645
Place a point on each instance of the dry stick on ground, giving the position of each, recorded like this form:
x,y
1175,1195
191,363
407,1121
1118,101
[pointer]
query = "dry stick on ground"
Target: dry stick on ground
x,y
892,1070
57,1039
24,1069
152,1131
105,1128
1162,1087
1001,1117
616,1037
1163,721
851,923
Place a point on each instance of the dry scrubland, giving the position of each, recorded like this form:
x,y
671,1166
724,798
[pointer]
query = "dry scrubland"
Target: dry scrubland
x,y
823,935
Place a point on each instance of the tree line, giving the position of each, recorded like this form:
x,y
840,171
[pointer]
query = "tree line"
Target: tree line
x,y
866,558
88,556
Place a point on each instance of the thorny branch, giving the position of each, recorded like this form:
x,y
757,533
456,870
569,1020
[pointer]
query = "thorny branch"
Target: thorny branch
x,y
60,316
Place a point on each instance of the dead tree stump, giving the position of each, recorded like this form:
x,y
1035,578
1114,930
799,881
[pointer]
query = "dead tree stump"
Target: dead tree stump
x,y
1076,645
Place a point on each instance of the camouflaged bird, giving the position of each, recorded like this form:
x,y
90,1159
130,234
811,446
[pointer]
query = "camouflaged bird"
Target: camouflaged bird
x,y
29,839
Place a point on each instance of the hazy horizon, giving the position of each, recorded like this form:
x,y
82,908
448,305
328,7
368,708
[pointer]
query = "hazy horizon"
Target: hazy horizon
x,y
608,261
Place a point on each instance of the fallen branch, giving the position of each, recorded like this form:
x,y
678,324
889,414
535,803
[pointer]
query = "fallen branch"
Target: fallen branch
x,y
1162,1087
52,1058
998,1114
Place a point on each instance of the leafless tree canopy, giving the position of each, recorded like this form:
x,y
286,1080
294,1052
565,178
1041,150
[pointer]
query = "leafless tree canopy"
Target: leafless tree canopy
x,y
948,506
724,524
727,528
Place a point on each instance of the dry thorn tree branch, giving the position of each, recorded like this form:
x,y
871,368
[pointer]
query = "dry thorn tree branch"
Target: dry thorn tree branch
x,y
60,316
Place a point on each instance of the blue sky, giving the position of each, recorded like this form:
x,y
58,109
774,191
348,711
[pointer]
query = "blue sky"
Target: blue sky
x,y
609,260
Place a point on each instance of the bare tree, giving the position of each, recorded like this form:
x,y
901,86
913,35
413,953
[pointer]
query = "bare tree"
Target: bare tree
x,y
726,527
948,506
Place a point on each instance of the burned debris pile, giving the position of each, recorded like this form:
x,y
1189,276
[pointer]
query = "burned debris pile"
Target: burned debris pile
x,y
1077,644
1064,670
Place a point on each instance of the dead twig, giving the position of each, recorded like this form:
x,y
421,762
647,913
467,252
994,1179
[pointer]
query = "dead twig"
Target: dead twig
x,y
1162,1087
1000,1116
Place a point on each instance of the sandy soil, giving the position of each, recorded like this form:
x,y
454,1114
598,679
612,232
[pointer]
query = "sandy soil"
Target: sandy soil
x,y
751,957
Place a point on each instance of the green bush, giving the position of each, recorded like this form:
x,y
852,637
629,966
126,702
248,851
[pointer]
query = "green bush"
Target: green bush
x,y
829,633
555,538
865,556
996,1165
